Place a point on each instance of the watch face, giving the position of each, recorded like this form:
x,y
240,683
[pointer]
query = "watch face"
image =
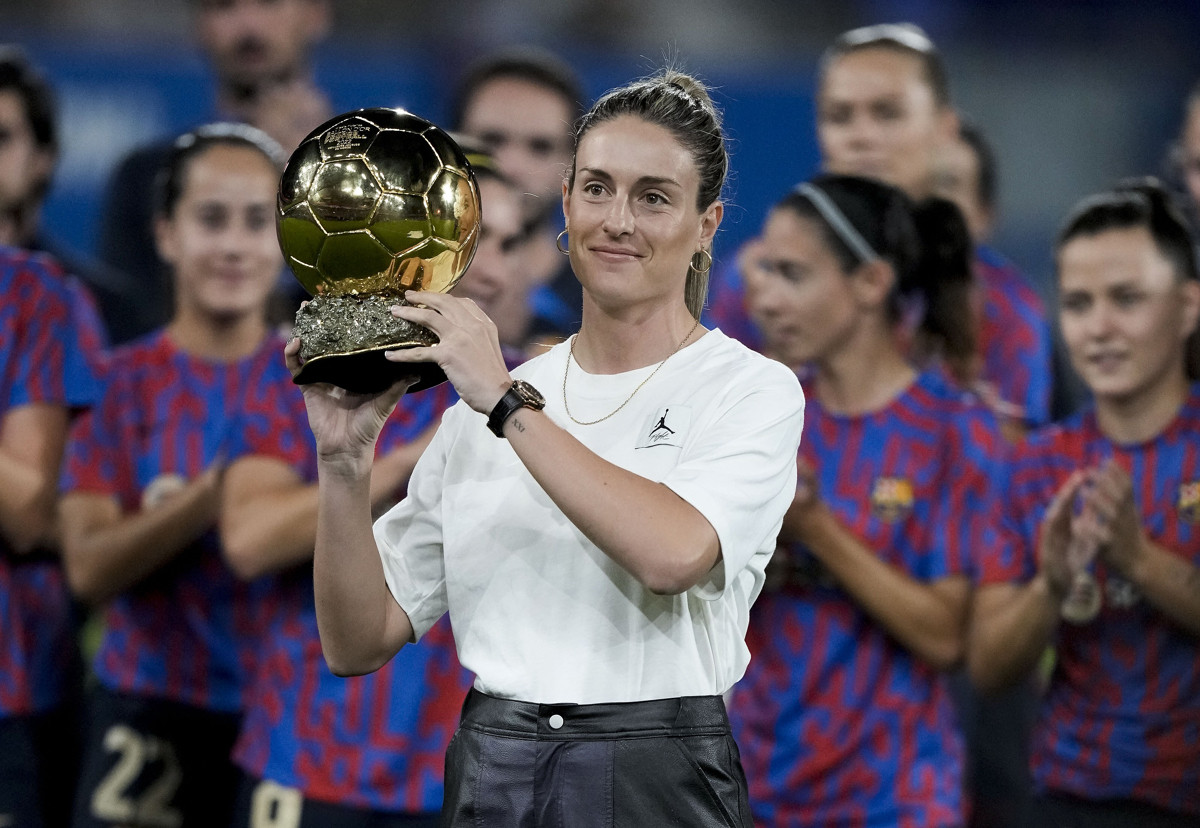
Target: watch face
x,y
529,394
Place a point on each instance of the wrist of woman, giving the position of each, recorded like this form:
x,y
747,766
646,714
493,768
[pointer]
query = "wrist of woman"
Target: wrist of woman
x,y
1139,567
346,465
813,518
1054,592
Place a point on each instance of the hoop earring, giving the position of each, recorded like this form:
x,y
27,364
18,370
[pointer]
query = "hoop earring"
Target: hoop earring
x,y
558,243
707,265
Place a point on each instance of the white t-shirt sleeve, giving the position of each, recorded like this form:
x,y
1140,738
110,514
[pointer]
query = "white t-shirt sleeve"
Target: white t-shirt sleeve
x,y
740,473
409,537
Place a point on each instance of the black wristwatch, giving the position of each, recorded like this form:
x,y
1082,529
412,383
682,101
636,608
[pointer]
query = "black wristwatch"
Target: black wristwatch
x,y
519,395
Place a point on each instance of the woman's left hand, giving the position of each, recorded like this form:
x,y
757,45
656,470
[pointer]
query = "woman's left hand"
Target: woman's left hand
x,y
468,347
1117,528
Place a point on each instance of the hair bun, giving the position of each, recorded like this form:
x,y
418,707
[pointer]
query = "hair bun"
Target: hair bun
x,y
693,89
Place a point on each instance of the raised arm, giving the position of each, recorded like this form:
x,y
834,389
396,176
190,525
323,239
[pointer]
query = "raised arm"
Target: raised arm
x,y
31,447
360,623
661,539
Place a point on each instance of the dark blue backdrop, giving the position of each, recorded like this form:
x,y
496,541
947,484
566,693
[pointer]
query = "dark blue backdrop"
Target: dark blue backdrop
x,y
112,100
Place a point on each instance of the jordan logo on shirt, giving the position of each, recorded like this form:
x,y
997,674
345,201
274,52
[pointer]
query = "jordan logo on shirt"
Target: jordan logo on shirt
x,y
666,427
662,426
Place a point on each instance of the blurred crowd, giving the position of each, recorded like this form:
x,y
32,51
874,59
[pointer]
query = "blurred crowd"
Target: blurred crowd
x,y
985,602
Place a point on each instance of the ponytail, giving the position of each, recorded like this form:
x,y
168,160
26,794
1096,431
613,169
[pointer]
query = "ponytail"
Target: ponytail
x,y
942,279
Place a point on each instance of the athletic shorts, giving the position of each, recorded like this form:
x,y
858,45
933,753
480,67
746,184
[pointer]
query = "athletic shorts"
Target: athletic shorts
x,y
266,804
155,763
39,764
670,762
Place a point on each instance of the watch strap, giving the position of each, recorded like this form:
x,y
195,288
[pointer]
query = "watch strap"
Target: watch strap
x,y
505,408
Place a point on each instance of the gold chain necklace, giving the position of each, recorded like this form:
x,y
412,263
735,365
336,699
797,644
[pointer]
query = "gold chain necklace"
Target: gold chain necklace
x,y
567,370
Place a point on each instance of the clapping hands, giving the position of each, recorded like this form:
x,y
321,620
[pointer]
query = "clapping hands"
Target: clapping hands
x,y
1093,513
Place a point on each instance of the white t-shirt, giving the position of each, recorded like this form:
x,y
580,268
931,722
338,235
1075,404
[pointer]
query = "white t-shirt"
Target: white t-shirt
x,y
539,613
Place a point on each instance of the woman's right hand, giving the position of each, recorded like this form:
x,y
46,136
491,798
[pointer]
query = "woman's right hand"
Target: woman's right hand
x,y
345,425
1061,553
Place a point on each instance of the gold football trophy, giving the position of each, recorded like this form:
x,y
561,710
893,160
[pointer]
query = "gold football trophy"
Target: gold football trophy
x,y
373,203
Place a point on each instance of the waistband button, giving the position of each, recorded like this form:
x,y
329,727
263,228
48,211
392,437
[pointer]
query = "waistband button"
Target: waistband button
x,y
556,721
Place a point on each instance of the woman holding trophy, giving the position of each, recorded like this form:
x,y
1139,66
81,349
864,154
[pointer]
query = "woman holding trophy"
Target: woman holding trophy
x,y
597,545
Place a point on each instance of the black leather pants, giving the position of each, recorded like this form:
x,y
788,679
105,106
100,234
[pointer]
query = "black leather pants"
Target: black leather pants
x,y
669,762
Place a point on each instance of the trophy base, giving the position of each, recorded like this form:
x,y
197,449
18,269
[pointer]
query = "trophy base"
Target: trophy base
x,y
342,340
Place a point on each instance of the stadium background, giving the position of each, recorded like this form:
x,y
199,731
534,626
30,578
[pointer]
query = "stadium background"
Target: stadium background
x,y
1073,93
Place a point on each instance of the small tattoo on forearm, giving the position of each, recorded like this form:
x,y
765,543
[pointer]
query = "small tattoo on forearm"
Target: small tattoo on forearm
x,y
518,425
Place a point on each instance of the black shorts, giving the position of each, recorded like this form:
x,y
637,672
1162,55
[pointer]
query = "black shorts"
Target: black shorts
x,y
996,728
1058,810
266,804
671,762
154,763
38,754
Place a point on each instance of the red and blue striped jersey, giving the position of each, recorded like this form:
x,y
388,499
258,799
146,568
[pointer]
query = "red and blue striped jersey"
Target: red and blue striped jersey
x,y
51,332
43,361
187,631
1014,338
838,723
1121,716
376,741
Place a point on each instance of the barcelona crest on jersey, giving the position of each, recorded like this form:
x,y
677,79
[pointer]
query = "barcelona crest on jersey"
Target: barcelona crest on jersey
x,y
1189,501
891,498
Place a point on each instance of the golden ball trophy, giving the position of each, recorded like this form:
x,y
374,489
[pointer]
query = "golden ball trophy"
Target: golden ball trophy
x,y
373,203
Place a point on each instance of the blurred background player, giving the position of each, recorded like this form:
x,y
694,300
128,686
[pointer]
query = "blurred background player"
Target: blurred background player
x,y
1184,158
496,279
1101,524
996,725
141,490
44,377
29,146
966,173
884,111
844,717
522,105
260,52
